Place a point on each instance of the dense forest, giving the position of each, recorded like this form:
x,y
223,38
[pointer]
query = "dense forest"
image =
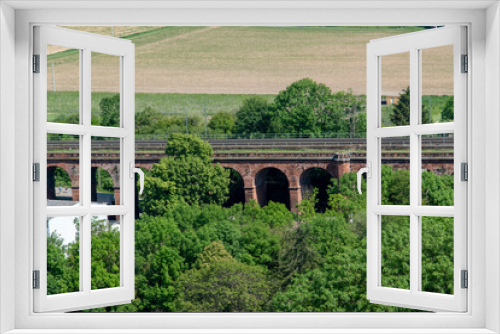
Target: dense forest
x,y
195,255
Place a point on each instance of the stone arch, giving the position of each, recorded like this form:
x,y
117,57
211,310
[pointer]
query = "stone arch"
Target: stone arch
x,y
236,188
59,190
102,191
272,184
316,178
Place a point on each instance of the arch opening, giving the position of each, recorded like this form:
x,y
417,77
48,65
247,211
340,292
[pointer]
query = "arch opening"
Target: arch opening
x,y
58,184
236,188
103,189
272,185
319,179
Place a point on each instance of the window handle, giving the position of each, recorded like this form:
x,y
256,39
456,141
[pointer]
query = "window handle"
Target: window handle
x,y
368,171
141,176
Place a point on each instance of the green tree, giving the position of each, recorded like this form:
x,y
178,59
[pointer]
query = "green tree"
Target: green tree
x,y
360,128
214,252
105,254
309,107
401,111
222,122
62,265
185,146
186,175
110,110
226,286
61,178
148,121
447,114
254,116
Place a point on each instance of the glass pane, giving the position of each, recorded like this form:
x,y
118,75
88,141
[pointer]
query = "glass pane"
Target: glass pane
x,y
63,85
395,170
63,170
437,254
395,89
63,255
105,90
395,252
105,252
437,84
438,170
105,175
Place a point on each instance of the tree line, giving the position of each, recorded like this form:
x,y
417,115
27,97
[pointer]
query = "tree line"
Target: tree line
x,y
194,255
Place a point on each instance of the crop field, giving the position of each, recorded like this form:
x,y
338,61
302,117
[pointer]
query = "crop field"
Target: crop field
x,y
178,69
177,104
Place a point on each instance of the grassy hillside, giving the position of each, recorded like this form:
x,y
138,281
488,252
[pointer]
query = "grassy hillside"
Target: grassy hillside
x,y
239,60
182,68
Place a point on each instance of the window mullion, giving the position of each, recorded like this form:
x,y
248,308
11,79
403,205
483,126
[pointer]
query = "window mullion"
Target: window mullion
x,y
414,170
85,163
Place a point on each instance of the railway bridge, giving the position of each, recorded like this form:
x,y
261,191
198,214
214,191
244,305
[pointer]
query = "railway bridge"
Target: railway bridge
x,y
284,176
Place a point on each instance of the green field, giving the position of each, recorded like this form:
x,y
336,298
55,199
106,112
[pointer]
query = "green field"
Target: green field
x,y
193,104
67,102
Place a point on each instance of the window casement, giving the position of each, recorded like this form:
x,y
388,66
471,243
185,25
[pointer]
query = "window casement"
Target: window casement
x,y
86,138
414,48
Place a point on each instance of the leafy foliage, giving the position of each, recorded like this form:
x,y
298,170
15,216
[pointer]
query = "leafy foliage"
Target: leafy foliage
x,y
224,286
187,146
200,257
447,115
222,122
401,111
308,107
254,116
110,110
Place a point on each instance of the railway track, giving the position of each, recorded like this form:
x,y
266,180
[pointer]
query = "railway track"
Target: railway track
x,y
331,144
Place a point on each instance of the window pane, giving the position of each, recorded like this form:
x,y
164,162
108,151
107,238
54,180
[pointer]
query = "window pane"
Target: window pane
x,y
105,252
63,255
395,89
437,254
63,170
105,175
105,90
63,85
395,171
437,84
395,252
437,170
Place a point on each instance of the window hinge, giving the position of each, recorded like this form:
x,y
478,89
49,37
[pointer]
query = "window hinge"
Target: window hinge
x,y
36,172
464,173
36,279
465,279
36,63
465,64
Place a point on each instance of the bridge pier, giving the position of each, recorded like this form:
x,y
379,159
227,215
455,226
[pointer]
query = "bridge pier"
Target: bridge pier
x,y
117,195
250,194
295,198
249,188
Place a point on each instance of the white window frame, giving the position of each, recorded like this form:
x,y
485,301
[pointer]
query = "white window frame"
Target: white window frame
x,y
413,44
483,249
86,44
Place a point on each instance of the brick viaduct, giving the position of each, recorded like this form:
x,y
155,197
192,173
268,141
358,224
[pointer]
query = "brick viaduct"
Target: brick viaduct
x,y
252,167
